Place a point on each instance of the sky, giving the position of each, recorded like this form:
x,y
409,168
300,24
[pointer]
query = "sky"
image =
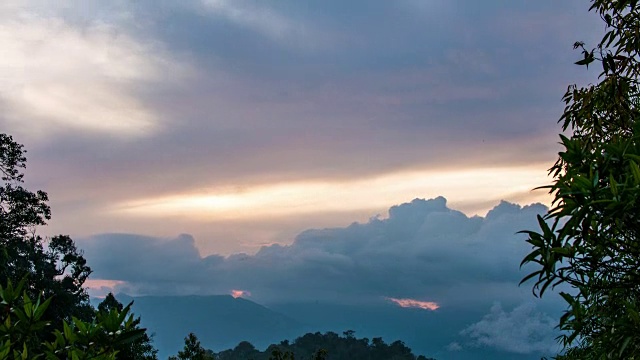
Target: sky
x,y
216,133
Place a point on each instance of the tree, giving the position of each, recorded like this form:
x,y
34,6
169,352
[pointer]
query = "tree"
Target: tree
x,y
139,349
65,326
53,268
245,350
589,240
22,321
318,346
192,350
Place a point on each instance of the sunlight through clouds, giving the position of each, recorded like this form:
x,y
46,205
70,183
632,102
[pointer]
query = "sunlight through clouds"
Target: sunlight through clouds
x,y
471,188
57,77
99,288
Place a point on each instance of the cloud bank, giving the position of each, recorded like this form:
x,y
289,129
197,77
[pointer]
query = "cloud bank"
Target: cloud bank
x,y
524,330
423,250
424,255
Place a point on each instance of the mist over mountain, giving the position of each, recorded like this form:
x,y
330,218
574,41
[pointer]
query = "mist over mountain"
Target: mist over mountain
x,y
443,282
220,321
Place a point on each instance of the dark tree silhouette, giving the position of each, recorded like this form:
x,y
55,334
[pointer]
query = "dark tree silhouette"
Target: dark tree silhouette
x,y
327,346
139,349
57,270
192,350
589,241
64,325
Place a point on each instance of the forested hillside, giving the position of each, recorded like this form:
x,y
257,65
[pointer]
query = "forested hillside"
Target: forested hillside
x,y
311,346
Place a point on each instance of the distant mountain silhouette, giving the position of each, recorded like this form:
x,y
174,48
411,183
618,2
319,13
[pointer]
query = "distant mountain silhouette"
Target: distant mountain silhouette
x,y
219,321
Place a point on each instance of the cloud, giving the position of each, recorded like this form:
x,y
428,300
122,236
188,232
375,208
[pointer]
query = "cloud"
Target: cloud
x,y
240,293
454,346
264,20
293,198
256,112
59,76
524,330
423,250
413,303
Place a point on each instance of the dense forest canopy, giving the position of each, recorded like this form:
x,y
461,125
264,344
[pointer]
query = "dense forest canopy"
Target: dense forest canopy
x,y
311,346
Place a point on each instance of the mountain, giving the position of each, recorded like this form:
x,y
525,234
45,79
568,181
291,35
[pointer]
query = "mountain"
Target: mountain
x,y
219,321
426,332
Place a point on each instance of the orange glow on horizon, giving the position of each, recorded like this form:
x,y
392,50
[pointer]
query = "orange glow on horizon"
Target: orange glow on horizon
x,y
412,303
102,283
467,190
99,288
240,293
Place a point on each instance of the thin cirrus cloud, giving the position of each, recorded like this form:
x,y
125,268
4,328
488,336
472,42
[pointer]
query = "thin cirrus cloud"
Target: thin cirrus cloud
x,y
264,20
59,76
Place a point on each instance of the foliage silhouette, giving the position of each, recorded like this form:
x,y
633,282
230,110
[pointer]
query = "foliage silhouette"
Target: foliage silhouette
x,y
329,346
64,326
588,242
23,321
193,350
53,268
139,349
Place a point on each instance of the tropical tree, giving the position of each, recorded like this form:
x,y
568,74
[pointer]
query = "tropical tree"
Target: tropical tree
x,y
318,346
588,243
23,321
54,268
140,348
64,326
192,350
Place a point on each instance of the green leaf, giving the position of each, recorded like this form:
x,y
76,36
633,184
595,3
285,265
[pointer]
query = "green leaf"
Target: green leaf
x,y
626,342
586,61
635,170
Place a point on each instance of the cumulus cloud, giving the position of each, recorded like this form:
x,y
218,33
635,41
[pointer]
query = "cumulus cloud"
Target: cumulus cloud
x,y
524,330
423,250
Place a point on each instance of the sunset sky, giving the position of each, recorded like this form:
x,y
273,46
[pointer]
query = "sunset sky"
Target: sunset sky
x,y
244,122
241,124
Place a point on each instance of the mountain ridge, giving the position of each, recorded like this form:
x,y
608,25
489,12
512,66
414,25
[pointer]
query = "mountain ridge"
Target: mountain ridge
x,y
219,321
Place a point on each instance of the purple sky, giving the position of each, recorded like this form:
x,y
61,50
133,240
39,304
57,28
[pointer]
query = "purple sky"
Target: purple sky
x,y
240,124
245,122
